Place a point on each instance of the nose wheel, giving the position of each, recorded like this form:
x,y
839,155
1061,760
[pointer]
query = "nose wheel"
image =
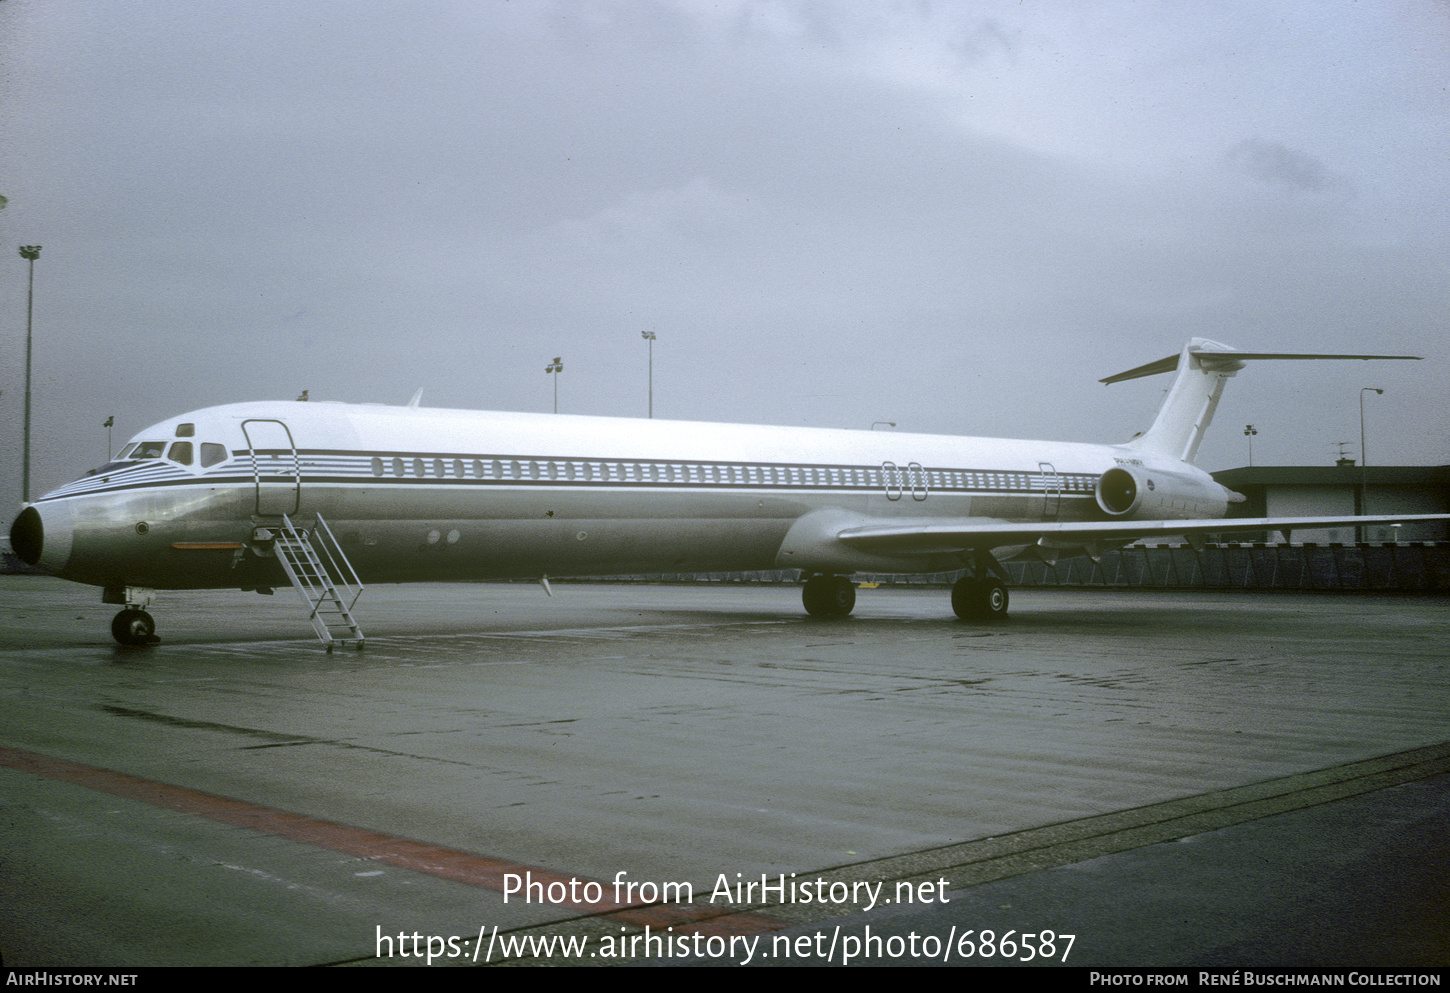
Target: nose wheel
x,y
134,626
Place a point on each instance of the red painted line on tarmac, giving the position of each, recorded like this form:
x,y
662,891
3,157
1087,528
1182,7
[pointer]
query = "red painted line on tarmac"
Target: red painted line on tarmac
x,y
446,863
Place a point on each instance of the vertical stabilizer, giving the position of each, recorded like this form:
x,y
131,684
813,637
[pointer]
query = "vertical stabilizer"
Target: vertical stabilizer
x,y
1188,410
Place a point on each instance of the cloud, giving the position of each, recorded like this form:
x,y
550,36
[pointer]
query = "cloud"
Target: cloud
x,y
1277,164
665,214
924,207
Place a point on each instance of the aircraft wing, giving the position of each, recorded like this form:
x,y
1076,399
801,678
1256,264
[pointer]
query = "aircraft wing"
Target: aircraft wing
x,y
920,537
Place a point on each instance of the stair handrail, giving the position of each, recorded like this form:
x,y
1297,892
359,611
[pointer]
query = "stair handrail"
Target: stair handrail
x,y
345,573
298,556
311,592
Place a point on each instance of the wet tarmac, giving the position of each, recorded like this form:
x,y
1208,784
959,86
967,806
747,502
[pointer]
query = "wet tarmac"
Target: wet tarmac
x,y
234,795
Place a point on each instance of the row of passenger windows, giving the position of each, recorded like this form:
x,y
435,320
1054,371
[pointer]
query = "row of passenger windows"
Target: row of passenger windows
x,y
891,477
640,472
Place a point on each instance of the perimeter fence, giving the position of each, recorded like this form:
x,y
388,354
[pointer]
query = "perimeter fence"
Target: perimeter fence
x,y
1407,566
1410,566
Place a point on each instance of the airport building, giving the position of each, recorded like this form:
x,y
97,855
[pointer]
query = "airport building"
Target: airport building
x,y
1321,491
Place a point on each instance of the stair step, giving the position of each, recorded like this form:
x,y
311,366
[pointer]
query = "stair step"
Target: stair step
x,y
331,618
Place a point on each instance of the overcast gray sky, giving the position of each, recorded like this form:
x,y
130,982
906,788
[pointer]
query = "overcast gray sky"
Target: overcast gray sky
x,y
954,216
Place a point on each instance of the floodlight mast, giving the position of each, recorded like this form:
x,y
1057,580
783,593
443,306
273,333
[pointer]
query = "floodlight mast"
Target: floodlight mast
x,y
29,253
649,336
553,369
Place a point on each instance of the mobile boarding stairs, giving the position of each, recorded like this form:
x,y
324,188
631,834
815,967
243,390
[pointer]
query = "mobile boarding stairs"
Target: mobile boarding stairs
x,y
323,578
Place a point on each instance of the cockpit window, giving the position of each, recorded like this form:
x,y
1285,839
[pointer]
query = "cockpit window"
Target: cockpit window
x,y
186,430
149,450
124,452
212,454
181,452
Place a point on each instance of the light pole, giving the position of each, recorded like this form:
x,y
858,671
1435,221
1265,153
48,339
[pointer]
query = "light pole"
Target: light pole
x,y
1250,430
553,369
110,421
649,336
29,253
1363,460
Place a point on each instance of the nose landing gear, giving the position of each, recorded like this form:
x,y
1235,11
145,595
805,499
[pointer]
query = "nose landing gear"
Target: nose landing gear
x,y
132,626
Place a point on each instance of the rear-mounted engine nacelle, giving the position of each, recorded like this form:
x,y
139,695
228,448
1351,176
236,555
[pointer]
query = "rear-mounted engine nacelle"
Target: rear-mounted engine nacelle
x,y
1137,493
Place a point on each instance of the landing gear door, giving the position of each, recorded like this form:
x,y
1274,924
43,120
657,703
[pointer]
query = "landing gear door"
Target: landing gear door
x,y
276,469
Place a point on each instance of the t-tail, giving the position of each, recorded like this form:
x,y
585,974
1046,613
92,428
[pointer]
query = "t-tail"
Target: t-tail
x,y
1204,367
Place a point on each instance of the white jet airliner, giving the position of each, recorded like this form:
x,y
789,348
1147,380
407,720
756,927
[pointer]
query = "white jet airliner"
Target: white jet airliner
x,y
221,498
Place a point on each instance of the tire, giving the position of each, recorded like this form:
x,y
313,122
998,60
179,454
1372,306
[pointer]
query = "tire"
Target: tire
x,y
980,601
829,597
133,626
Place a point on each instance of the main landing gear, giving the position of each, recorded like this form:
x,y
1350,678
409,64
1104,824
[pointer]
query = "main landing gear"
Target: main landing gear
x,y
979,600
974,600
982,596
829,597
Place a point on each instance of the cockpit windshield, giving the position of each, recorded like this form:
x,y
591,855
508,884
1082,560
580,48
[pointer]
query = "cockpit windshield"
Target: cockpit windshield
x,y
180,452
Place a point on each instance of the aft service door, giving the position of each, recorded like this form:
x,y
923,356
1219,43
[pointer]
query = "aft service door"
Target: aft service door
x,y
276,469
1051,490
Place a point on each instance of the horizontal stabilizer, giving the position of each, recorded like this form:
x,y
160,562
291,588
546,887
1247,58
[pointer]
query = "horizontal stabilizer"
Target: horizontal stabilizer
x,y
1231,354
1170,363
1151,369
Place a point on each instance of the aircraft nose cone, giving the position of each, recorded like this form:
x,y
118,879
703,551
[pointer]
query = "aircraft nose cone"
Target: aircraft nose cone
x,y
27,536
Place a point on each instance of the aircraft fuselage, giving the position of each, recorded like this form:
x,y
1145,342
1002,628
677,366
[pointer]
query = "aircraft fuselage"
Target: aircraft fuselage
x,y
418,494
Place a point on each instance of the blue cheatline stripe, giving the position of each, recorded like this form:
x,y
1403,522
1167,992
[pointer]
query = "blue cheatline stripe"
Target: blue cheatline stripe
x,y
517,470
